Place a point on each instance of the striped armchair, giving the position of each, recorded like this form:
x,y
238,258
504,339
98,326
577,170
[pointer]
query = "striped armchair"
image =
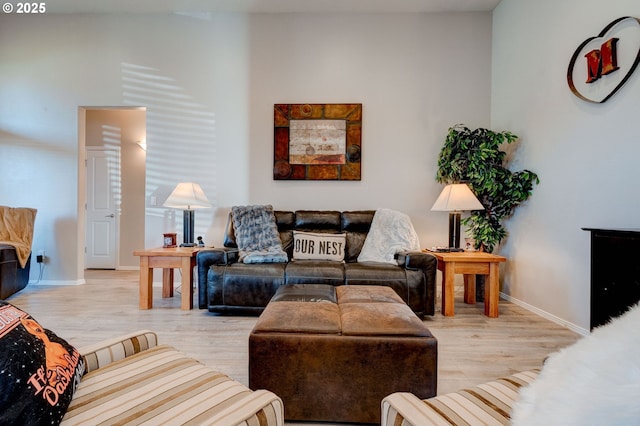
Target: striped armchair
x,y
486,404
132,380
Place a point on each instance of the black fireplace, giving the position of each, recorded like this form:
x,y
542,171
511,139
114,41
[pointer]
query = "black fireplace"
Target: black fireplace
x,y
615,272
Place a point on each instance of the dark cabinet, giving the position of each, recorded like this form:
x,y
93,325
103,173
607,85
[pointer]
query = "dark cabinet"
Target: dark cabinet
x,y
615,272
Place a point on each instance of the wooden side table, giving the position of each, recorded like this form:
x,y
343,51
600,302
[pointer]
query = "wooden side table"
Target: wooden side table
x,y
167,259
470,264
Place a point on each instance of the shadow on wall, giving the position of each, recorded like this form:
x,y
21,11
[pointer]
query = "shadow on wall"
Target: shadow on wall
x,y
112,139
67,259
181,144
13,139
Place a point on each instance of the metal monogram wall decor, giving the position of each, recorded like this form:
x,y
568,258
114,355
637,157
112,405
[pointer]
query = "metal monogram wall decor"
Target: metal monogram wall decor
x,y
602,64
317,141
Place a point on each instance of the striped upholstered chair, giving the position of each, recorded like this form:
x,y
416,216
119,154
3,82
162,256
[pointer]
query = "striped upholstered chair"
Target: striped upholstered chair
x,y
486,404
133,380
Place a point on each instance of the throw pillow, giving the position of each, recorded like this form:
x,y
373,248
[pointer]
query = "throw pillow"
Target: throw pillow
x,y
595,381
257,235
39,371
318,246
391,232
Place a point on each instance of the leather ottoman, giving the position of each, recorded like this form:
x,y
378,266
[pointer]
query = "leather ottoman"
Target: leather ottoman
x,y
333,353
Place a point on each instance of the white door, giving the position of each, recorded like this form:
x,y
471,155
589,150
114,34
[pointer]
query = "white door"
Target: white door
x,y
103,173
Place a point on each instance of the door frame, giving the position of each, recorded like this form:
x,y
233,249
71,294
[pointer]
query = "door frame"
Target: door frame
x,y
117,201
81,189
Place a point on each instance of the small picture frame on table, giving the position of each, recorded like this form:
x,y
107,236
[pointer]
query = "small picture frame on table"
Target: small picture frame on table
x,y
170,240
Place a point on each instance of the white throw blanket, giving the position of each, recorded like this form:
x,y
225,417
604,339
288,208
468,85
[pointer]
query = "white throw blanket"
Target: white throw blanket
x,y
391,232
594,382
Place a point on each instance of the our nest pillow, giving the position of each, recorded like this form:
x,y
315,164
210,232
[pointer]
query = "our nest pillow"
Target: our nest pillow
x,y
39,371
318,246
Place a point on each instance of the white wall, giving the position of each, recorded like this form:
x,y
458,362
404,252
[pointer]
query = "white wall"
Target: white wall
x,y
415,75
209,86
585,154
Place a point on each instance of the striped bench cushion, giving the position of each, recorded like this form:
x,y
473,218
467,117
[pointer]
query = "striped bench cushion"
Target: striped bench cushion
x,y
161,385
487,404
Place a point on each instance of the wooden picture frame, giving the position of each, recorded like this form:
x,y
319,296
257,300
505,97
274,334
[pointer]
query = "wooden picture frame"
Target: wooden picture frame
x,y
170,240
317,141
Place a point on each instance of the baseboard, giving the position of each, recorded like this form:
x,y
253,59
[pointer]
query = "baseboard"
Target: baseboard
x,y
128,268
58,282
155,284
546,315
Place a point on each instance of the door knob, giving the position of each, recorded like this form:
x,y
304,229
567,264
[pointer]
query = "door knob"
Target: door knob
x,y
110,215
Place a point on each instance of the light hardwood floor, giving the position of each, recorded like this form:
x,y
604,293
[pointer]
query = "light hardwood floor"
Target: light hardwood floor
x,y
471,347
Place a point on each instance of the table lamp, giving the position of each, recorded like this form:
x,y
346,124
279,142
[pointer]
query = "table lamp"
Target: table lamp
x,y
187,196
454,198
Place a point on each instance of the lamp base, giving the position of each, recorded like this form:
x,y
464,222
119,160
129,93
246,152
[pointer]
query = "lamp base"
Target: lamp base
x,y
454,230
188,221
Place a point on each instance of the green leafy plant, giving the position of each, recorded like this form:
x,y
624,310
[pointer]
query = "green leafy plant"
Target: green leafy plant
x,y
474,157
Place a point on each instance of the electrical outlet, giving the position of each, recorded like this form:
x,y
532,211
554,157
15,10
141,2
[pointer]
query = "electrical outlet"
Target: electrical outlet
x,y
40,256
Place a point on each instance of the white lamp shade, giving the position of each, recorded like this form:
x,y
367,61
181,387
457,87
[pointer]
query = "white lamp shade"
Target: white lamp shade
x,y
456,197
187,195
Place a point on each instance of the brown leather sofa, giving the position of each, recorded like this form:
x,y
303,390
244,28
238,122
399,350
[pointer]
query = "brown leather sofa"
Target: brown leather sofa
x,y
13,278
227,286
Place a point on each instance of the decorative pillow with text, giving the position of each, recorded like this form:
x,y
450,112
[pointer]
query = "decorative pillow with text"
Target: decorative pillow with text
x,y
318,246
39,371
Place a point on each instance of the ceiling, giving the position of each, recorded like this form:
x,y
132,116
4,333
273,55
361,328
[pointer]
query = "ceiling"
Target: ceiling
x,y
269,6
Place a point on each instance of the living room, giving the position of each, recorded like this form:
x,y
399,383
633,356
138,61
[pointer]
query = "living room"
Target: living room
x,y
416,74
208,83
503,69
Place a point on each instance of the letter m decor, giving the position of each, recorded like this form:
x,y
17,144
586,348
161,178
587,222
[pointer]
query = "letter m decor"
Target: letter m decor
x,y
602,61
617,47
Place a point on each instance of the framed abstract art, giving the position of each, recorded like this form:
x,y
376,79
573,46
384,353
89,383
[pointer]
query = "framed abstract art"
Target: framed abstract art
x,y
317,141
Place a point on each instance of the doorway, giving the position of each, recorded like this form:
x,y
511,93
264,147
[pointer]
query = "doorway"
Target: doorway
x,y
112,186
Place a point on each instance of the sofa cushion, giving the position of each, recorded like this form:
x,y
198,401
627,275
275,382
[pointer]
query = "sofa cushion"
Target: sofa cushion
x,y
356,225
162,385
315,271
39,371
250,281
373,272
285,220
317,220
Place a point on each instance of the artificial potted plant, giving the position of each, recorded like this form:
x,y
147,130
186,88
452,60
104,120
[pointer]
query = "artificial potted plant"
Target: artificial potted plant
x,y
474,157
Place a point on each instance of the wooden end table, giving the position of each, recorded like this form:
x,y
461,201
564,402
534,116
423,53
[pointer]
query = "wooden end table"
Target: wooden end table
x,y
470,264
167,259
